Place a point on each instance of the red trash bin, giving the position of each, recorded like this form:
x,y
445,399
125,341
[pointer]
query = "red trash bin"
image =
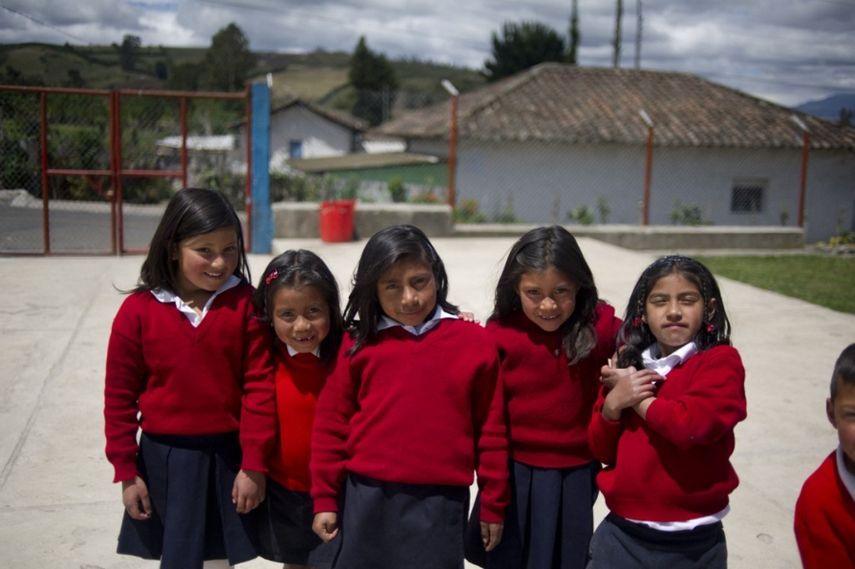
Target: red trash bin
x,y
336,223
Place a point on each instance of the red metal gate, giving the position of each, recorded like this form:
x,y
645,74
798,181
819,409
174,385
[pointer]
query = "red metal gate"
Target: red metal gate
x,y
88,171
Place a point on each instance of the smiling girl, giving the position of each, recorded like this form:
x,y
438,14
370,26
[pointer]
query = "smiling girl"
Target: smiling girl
x,y
664,422
553,335
298,297
189,365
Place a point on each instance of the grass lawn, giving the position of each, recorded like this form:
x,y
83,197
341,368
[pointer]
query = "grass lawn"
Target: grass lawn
x,y
821,279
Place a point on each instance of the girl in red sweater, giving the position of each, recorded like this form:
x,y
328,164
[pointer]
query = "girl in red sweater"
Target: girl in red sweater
x,y
410,412
664,422
189,364
553,335
298,297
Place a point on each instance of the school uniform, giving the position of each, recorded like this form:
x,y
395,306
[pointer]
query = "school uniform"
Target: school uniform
x,y
825,516
400,428
200,389
548,402
282,524
667,478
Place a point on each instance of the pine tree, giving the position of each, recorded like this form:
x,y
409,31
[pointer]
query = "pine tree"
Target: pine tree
x,y
228,60
373,78
522,46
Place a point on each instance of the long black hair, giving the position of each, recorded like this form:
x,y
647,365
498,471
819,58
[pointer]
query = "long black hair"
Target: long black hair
x,y
190,212
635,334
385,248
536,251
301,268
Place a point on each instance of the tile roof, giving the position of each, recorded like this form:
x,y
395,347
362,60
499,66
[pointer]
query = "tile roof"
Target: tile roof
x,y
554,102
344,119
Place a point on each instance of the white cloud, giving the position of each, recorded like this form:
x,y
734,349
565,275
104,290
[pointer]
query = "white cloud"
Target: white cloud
x,y
785,50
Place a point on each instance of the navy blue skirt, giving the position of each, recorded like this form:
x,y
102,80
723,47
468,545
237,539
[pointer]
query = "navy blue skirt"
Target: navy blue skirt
x,y
282,529
621,544
190,480
387,525
548,523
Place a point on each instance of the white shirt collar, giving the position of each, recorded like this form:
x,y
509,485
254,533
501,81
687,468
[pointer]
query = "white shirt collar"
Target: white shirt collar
x,y
847,477
663,365
168,297
438,314
292,352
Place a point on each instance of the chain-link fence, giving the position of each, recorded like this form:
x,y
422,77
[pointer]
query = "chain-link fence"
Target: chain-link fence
x,y
108,163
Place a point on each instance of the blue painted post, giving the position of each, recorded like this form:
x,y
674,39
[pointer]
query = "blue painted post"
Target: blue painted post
x,y
262,213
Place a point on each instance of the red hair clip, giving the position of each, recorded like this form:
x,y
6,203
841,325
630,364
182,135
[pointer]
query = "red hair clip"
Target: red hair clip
x,y
271,277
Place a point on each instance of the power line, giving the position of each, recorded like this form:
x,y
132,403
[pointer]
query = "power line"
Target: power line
x,y
45,24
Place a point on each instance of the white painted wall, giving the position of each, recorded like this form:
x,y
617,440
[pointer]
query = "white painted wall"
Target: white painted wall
x,y
542,182
321,137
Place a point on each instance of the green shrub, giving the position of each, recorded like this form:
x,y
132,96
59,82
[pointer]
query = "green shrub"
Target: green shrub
x,y
467,212
684,214
397,189
581,215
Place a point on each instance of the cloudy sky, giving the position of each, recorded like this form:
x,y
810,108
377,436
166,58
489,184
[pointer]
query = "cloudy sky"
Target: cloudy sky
x,y
787,51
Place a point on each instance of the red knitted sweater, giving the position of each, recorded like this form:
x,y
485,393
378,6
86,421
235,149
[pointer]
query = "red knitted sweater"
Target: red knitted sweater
x,y
181,380
415,410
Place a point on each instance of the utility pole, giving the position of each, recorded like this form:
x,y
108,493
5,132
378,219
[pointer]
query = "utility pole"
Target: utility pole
x,y
573,52
638,28
618,18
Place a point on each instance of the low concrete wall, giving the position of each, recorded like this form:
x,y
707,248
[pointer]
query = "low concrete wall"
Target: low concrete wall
x,y
663,237
302,219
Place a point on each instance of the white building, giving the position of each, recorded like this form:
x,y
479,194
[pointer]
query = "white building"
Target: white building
x,y
546,142
300,130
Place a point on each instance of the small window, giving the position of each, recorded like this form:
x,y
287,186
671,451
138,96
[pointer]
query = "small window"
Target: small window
x,y
746,196
295,149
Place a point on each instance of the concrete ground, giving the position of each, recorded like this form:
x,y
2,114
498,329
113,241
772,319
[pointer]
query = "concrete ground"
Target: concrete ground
x,y
59,509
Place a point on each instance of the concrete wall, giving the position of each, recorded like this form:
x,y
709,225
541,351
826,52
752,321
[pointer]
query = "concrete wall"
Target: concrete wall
x,y
302,219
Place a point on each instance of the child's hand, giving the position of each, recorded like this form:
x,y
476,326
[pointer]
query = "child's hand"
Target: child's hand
x,y
467,316
609,374
491,535
325,525
248,490
629,389
135,498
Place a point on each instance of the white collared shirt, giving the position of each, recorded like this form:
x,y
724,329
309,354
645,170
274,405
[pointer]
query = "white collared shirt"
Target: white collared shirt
x,y
663,365
167,296
292,352
847,477
438,314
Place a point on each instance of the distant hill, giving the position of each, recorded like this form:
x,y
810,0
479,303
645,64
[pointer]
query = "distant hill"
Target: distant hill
x,y
829,108
319,76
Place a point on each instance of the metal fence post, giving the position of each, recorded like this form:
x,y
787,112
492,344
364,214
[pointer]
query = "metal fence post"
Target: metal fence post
x,y
262,214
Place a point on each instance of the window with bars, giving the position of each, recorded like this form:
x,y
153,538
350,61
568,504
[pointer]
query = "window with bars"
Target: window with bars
x,y
746,196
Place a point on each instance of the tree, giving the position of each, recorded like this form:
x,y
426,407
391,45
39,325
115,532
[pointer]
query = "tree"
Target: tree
x,y
573,48
522,46
373,78
129,52
161,70
184,76
229,59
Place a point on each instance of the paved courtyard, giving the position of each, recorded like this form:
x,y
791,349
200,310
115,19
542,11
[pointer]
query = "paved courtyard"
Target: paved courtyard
x,y
59,509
